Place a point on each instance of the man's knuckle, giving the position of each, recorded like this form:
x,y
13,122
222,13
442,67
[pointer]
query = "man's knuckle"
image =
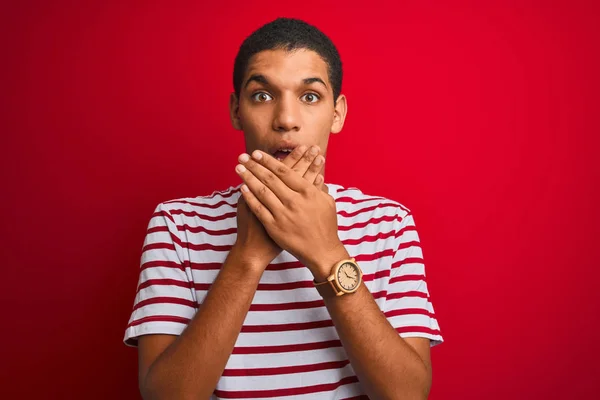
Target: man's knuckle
x,y
268,178
290,203
305,191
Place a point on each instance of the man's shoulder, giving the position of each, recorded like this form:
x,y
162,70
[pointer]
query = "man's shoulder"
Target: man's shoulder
x,y
352,198
218,202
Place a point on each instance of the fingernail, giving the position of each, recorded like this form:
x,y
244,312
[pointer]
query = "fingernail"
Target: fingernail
x,y
257,155
244,188
319,160
243,158
314,150
302,149
240,168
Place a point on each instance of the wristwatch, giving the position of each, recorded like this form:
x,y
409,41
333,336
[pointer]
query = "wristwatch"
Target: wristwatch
x,y
345,277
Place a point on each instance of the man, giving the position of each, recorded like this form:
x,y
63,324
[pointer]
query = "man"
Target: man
x,y
284,287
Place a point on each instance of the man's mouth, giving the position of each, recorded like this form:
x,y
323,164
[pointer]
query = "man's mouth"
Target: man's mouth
x,y
282,154
282,150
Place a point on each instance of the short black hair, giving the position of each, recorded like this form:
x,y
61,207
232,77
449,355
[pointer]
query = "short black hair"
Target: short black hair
x,y
289,34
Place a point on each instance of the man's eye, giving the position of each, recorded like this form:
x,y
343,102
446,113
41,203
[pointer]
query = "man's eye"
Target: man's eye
x,y
311,97
261,97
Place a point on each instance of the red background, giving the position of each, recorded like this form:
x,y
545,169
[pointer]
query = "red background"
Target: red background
x,y
481,118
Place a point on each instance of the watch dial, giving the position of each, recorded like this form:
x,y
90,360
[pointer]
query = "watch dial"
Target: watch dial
x,y
348,276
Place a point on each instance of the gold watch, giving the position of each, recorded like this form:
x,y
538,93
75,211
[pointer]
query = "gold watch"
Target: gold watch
x,y
345,277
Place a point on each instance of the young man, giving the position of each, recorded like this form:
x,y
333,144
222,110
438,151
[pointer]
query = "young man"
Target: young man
x,y
284,286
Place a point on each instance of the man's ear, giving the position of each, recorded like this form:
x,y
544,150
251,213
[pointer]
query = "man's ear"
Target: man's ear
x,y
234,108
339,114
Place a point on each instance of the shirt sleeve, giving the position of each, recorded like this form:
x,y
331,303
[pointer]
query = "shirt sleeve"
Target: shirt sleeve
x,y
408,305
165,299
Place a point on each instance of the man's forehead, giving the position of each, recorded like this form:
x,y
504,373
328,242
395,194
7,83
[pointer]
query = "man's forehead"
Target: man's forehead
x,y
281,64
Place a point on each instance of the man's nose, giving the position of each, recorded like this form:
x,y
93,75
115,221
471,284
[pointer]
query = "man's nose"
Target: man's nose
x,y
286,116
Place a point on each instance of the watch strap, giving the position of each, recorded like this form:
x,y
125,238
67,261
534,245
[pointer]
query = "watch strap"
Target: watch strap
x,y
330,280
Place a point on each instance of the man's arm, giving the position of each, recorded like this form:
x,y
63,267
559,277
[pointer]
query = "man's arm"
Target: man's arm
x,y
190,365
388,366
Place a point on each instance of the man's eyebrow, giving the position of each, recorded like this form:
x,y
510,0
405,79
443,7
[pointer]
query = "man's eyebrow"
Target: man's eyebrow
x,y
258,78
262,79
308,81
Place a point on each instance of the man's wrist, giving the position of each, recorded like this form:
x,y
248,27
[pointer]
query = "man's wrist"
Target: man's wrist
x,y
242,260
322,266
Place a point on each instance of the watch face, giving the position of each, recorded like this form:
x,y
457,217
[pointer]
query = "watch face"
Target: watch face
x,y
348,276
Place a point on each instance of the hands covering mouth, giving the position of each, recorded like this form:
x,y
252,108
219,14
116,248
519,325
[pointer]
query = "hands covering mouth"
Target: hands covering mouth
x,y
289,201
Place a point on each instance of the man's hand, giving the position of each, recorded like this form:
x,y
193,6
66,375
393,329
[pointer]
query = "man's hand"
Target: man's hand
x,y
298,216
255,245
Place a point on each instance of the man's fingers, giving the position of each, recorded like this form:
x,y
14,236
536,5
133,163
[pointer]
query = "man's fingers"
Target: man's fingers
x,y
295,156
320,183
276,175
256,207
261,191
307,159
314,169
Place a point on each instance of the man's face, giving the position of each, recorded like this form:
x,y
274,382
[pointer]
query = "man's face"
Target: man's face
x,y
286,100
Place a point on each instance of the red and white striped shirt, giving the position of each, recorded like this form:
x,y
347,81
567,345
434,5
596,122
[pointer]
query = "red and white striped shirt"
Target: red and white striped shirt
x,y
288,347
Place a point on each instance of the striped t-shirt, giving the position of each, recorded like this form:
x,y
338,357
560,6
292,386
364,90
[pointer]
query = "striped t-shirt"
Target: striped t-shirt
x,y
288,347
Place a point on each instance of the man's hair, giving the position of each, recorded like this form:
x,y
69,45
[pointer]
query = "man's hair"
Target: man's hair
x,y
289,34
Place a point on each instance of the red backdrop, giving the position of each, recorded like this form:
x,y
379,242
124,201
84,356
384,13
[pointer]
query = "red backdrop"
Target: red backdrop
x,y
481,118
